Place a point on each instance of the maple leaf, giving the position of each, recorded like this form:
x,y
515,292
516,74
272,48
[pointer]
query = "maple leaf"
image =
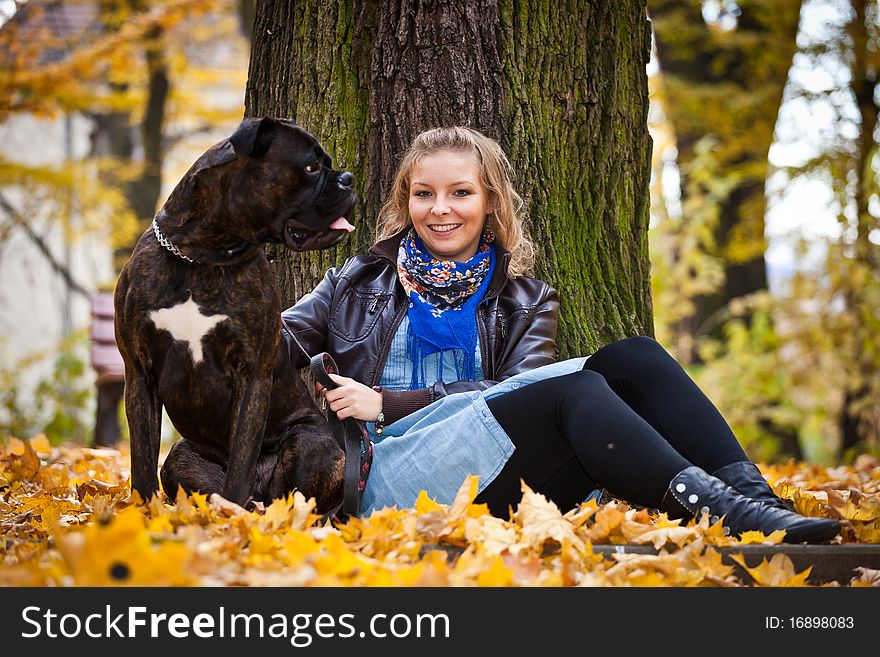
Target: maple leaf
x,y
429,526
498,573
298,546
635,524
851,511
580,515
867,533
41,444
759,537
466,494
528,570
493,535
628,562
278,514
779,571
23,466
708,561
425,504
607,519
303,511
335,559
201,502
62,525
121,553
810,504
866,577
541,521
14,447
659,537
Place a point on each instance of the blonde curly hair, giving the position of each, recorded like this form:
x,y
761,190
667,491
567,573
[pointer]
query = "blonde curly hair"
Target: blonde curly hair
x,y
505,219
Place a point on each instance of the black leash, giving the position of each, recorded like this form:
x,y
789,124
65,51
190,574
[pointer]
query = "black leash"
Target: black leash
x,y
350,434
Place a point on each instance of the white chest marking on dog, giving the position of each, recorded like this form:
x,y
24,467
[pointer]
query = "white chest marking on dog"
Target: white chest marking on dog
x,y
186,322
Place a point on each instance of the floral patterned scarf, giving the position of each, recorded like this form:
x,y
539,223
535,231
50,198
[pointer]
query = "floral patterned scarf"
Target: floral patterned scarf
x,y
444,296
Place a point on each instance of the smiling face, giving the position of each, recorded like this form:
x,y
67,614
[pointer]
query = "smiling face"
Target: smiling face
x,y
448,204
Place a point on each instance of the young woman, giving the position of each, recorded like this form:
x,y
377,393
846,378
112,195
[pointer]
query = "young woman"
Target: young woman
x,y
450,352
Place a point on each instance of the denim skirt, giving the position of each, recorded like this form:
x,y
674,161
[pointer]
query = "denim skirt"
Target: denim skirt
x,y
437,447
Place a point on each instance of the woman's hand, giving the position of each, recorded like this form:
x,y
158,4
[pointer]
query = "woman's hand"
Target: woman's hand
x,y
352,399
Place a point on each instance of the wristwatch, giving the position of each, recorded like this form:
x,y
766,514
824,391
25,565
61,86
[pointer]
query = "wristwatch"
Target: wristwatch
x,y
380,419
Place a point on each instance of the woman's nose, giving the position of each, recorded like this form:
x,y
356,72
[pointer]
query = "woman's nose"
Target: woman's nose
x,y
440,207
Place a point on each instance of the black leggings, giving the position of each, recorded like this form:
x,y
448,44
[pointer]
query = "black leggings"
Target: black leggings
x,y
629,422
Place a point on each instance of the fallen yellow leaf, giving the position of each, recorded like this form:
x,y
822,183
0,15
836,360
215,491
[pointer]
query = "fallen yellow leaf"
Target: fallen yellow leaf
x,y
542,521
758,537
779,571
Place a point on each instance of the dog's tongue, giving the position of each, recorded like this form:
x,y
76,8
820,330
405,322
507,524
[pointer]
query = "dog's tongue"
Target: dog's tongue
x,y
342,224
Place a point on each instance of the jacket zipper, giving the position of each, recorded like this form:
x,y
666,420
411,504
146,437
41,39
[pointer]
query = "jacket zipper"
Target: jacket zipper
x,y
502,321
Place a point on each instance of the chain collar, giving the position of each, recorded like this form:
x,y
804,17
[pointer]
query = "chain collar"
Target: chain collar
x,y
164,241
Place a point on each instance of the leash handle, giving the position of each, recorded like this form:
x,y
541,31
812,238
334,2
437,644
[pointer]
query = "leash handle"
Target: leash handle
x,y
320,366
352,437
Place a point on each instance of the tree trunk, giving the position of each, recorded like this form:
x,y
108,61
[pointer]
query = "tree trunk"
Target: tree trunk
x,y
562,86
142,192
860,418
727,83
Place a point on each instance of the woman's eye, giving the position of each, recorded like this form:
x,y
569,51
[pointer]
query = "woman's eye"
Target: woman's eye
x,y
462,192
313,167
422,193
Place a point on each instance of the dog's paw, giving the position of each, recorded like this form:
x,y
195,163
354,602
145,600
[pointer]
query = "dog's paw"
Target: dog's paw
x,y
225,507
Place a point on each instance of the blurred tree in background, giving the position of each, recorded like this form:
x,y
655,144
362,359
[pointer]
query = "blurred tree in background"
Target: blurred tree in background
x,y
796,371
724,66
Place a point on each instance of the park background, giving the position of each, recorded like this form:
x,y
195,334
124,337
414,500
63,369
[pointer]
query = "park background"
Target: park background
x,y
779,173
763,230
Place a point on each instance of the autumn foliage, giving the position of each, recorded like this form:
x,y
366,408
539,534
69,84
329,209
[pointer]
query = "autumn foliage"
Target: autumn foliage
x,y
68,518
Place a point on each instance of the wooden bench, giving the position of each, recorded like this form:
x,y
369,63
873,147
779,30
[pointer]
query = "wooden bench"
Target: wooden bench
x,y
830,563
107,363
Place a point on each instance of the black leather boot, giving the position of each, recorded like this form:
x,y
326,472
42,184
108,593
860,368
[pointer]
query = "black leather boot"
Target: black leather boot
x,y
694,491
746,479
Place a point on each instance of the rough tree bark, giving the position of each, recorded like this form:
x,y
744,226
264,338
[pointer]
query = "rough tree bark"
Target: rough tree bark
x,y
561,85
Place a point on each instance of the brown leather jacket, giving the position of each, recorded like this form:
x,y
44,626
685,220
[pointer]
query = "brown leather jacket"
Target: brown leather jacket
x,y
355,311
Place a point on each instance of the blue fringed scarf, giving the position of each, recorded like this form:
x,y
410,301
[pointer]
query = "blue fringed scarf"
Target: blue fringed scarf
x,y
444,296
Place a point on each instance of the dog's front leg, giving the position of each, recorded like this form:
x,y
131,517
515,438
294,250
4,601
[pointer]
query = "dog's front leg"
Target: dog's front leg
x,y
251,406
144,413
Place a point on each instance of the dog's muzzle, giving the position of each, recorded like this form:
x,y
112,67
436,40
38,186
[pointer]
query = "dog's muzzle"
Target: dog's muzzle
x,y
298,237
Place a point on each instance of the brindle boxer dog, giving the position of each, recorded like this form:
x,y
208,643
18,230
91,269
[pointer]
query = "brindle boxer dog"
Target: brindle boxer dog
x,y
198,322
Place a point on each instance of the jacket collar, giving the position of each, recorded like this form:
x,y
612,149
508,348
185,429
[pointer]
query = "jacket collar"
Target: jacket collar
x,y
387,250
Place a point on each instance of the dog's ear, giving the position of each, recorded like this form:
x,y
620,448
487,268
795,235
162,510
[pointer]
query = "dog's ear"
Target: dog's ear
x,y
253,136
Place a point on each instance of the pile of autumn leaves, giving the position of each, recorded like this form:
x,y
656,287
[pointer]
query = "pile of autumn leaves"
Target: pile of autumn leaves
x,y
68,518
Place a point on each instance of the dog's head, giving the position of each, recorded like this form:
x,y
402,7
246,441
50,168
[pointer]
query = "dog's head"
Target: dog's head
x,y
307,202
272,180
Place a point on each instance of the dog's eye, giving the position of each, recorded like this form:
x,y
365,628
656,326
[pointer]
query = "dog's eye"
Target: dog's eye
x,y
314,167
